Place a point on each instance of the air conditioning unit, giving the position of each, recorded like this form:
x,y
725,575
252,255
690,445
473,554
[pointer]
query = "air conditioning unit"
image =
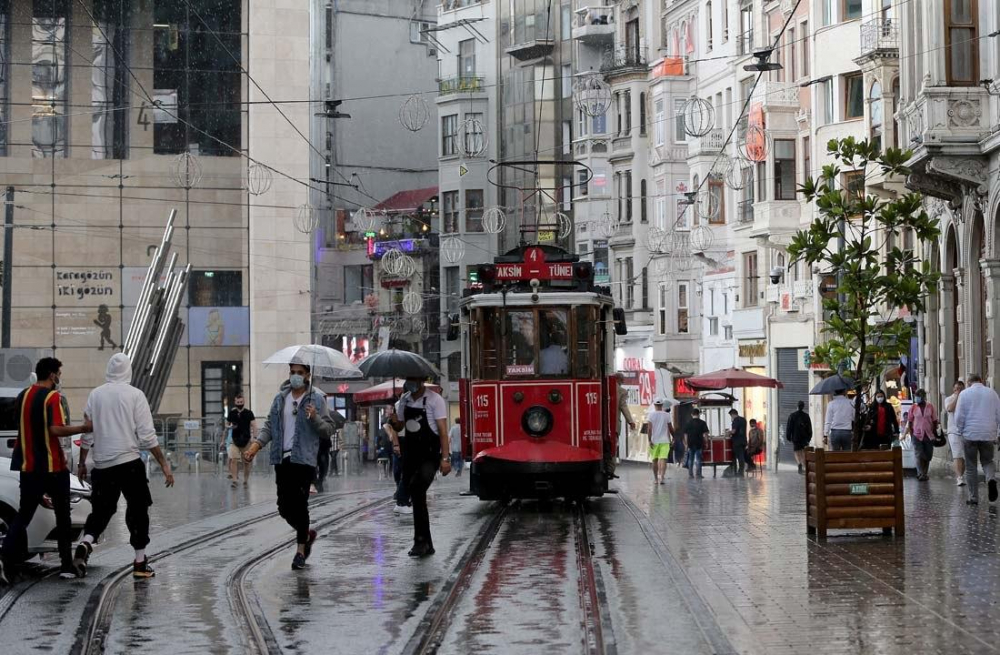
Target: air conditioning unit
x,y
17,365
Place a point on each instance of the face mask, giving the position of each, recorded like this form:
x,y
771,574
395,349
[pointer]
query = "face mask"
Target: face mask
x,y
297,381
239,405
880,400
57,384
412,386
918,399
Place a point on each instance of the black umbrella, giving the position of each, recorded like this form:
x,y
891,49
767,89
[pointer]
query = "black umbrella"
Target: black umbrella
x,y
397,364
829,385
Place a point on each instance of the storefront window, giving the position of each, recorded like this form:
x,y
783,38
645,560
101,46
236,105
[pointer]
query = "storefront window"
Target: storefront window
x,y
49,78
216,289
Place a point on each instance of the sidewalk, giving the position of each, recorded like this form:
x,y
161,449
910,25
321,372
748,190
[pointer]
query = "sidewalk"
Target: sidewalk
x,y
743,544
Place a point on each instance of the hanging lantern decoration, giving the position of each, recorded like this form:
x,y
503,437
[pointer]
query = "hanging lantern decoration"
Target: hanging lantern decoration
x,y
738,174
412,303
592,95
662,267
702,238
306,218
494,220
259,179
564,225
698,115
186,170
607,225
392,261
364,219
414,113
755,144
472,139
656,239
453,250
407,266
708,203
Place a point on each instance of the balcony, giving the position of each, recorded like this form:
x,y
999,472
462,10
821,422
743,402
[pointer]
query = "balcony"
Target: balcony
x,y
452,5
624,59
803,288
777,218
777,95
710,144
594,25
461,84
586,146
880,38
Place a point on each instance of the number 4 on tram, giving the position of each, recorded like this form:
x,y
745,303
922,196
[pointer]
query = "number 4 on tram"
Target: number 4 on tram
x,y
538,394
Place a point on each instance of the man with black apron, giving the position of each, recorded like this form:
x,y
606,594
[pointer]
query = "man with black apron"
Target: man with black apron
x,y
423,433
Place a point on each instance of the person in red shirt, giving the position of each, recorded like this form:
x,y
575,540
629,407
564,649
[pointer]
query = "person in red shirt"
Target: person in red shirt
x,y
883,426
39,458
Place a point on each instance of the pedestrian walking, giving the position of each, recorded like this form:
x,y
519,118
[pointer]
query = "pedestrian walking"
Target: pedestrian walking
x,y
922,426
883,426
977,419
677,450
122,429
296,422
838,429
402,495
659,440
42,465
243,427
626,414
421,420
738,438
455,442
336,443
695,439
955,441
799,431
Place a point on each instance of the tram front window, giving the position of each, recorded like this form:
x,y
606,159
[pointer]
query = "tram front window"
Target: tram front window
x,y
554,355
521,342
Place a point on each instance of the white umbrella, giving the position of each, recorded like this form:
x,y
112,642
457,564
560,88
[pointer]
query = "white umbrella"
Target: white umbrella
x,y
323,361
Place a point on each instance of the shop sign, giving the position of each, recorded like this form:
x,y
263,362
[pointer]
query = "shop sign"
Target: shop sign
x,y
753,350
683,390
859,489
95,285
640,386
807,361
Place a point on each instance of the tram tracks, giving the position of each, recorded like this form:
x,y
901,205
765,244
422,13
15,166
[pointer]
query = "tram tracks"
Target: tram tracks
x,y
597,637
98,612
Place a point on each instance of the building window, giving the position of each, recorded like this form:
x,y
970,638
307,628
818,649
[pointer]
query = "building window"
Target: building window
x,y
806,159
661,204
713,326
449,211
746,28
717,188
750,282
618,113
581,123
449,135
49,77
682,308
784,169
645,288
852,9
475,139
473,210
109,93
215,289
875,111
727,332
628,281
643,216
805,48
725,21
792,62
452,288
709,22
659,129
853,183
628,112
664,293
197,76
961,47
827,12
827,91
642,114
619,196
854,96
581,187
680,136
466,59
628,195
358,283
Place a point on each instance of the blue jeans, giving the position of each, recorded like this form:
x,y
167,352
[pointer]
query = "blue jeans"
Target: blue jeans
x,y
457,462
694,461
402,492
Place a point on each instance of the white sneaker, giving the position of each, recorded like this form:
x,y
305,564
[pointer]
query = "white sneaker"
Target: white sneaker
x,y
396,509
404,509
960,482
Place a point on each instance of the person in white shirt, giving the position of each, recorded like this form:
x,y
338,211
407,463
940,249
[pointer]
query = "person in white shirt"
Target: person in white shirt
x,y
123,425
839,422
455,443
977,418
659,439
954,438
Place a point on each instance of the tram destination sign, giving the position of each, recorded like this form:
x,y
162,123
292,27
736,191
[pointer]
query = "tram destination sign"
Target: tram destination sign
x,y
534,267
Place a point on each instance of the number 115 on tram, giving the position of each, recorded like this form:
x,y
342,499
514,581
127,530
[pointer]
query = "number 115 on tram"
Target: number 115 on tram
x,y
538,395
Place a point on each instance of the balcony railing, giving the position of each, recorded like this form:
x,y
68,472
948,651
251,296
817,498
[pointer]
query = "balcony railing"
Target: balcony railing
x,y
880,35
624,58
462,84
594,25
744,212
449,5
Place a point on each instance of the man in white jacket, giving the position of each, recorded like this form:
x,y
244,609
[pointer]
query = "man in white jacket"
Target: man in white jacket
x,y
123,425
977,418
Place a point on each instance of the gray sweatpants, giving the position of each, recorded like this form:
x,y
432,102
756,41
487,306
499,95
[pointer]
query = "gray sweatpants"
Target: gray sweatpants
x,y
976,451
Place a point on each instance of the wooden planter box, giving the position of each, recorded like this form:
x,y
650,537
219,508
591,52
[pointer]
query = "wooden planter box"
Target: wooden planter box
x,y
851,490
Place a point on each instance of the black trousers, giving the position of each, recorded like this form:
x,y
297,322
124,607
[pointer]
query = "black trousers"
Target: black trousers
x,y
420,465
293,482
740,456
33,487
110,484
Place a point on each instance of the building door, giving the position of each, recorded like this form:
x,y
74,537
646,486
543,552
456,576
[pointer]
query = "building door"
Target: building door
x,y
796,388
220,382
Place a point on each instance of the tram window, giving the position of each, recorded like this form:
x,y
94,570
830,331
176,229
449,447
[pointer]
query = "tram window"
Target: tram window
x,y
554,355
520,343
586,342
483,348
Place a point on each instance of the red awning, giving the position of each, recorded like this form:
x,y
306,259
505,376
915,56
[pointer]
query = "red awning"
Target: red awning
x,y
407,201
731,377
383,393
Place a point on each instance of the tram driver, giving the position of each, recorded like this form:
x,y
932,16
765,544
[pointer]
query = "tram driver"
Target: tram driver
x,y
553,358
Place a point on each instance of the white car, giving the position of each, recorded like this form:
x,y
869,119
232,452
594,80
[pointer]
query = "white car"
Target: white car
x,y
41,532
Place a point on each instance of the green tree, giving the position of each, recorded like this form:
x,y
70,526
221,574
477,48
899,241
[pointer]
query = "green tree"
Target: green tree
x,y
855,238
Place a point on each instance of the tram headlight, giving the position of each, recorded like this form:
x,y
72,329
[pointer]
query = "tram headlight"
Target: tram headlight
x,y
537,421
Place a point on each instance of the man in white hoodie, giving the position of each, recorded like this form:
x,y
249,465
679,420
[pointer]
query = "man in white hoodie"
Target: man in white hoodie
x,y
123,425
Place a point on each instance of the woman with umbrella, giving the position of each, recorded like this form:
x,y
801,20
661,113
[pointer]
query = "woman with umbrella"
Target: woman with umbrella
x,y
421,420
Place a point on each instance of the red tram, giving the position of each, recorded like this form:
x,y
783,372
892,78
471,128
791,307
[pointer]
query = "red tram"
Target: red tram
x,y
538,395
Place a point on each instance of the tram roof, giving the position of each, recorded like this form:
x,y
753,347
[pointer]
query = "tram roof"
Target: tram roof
x,y
522,299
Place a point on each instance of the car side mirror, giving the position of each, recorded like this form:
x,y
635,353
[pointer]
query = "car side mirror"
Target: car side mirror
x,y
618,315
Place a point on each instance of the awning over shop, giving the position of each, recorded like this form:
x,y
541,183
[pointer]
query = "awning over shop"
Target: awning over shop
x,y
384,392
